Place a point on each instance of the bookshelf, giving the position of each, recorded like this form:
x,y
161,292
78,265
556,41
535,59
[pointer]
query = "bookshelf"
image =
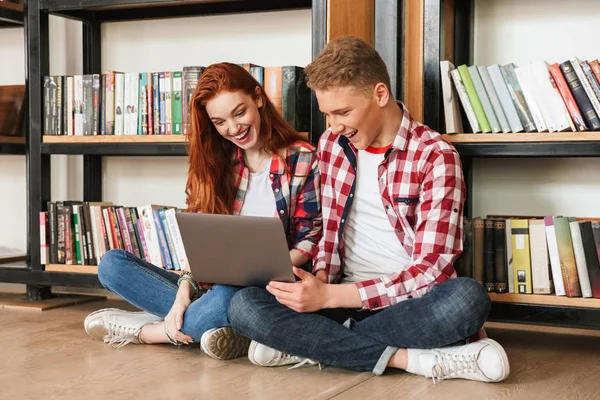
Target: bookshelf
x,y
12,144
11,15
446,32
326,24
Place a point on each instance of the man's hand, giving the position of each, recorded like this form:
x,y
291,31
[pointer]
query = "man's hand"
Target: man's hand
x,y
308,295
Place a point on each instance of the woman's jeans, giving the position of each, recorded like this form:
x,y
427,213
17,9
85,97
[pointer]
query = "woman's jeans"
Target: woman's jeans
x,y
153,289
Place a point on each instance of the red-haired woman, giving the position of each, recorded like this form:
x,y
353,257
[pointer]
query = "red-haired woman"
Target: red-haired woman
x,y
243,159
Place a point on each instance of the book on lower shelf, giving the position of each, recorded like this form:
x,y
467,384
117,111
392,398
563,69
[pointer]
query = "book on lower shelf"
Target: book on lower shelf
x,y
536,97
78,234
535,255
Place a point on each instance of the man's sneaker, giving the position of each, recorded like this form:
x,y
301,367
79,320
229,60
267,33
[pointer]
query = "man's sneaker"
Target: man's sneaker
x,y
484,361
224,343
118,327
264,356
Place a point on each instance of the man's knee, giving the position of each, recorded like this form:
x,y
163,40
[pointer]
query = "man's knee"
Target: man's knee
x,y
241,304
110,266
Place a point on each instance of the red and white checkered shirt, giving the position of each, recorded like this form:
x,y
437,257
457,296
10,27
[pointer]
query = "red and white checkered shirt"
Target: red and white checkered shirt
x,y
422,190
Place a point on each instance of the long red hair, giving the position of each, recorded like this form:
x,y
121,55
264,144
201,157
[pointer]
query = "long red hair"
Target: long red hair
x,y
210,186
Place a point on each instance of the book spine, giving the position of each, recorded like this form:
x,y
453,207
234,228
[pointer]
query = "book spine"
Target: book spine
x,y
60,216
150,103
124,229
78,105
488,255
151,235
464,99
168,104
521,256
115,229
587,71
494,100
169,238
567,97
76,225
528,86
156,102
517,97
110,103
474,99
119,103
162,103
44,249
500,278
59,106
581,98
559,285
540,264
142,240
142,123
567,257
162,241
177,239
108,229
576,64
103,104
478,250
137,232
505,98
484,99
69,235
131,230
52,224
70,91
177,104
580,261
594,267
509,256
96,93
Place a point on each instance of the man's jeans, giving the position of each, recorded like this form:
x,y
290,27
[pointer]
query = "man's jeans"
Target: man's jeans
x,y
153,289
453,311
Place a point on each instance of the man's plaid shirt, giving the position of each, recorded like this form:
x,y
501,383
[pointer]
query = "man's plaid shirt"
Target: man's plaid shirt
x,y
422,190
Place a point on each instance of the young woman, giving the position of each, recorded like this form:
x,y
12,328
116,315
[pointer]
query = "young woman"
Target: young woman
x,y
244,159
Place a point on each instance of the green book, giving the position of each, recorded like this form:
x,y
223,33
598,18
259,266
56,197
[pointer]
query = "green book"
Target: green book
x,y
76,225
474,99
177,104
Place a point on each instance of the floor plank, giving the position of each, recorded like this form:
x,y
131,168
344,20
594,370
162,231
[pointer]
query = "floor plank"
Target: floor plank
x,y
49,355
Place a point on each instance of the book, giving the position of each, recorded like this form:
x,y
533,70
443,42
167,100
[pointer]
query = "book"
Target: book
x,y
474,99
452,116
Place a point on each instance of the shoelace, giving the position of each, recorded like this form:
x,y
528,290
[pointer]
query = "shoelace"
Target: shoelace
x,y
452,365
307,361
120,335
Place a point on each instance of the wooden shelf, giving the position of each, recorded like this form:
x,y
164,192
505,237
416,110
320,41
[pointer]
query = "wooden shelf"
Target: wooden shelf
x,y
12,139
115,139
11,15
545,300
79,269
527,137
125,10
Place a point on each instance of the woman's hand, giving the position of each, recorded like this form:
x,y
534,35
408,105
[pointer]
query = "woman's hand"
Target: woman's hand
x,y
174,319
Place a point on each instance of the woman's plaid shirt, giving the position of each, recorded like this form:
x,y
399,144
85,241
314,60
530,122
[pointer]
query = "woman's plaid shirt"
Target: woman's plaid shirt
x,y
296,192
422,190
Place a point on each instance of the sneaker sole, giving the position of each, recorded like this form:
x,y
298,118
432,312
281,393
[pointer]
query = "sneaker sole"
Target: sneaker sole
x,y
226,344
502,352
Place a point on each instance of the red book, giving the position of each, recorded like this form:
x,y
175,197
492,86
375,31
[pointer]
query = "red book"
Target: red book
x,y
567,97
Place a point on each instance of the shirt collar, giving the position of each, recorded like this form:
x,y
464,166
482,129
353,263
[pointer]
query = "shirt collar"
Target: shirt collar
x,y
277,166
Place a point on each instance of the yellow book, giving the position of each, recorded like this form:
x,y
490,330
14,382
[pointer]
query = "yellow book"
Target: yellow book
x,y
521,256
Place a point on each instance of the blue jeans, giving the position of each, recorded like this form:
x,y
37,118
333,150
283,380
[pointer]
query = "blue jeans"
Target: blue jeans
x,y
153,289
452,311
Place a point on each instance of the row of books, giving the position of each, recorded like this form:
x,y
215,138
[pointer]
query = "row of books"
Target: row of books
x,y
81,233
155,103
532,255
536,97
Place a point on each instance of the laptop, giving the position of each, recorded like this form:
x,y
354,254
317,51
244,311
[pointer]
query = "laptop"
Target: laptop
x,y
234,249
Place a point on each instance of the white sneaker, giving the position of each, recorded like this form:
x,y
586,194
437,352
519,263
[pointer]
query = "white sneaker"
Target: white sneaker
x,y
118,327
224,343
264,356
484,361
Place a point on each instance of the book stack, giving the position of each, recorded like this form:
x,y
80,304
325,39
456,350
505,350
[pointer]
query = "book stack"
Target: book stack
x,y
532,255
155,103
81,233
536,97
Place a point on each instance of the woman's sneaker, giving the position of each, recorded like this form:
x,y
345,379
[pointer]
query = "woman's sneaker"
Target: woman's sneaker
x,y
118,327
224,343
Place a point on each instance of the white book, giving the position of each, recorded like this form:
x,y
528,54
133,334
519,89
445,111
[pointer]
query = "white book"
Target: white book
x,y
540,263
132,102
111,243
78,105
559,285
494,100
580,261
119,102
464,99
527,83
168,103
177,240
484,99
150,234
452,115
504,95
586,84
69,110
98,244
554,109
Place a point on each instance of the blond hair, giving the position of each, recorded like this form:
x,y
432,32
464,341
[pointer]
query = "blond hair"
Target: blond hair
x,y
347,61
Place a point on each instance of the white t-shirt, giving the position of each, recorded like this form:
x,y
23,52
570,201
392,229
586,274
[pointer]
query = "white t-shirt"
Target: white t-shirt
x,y
371,247
259,200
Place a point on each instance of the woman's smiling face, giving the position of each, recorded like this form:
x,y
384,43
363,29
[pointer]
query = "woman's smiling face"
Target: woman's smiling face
x,y
236,117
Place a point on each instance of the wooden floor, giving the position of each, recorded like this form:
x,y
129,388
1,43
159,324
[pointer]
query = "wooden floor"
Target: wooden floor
x,y
48,355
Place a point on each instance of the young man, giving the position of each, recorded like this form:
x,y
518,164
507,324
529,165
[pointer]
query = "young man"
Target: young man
x,y
385,294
